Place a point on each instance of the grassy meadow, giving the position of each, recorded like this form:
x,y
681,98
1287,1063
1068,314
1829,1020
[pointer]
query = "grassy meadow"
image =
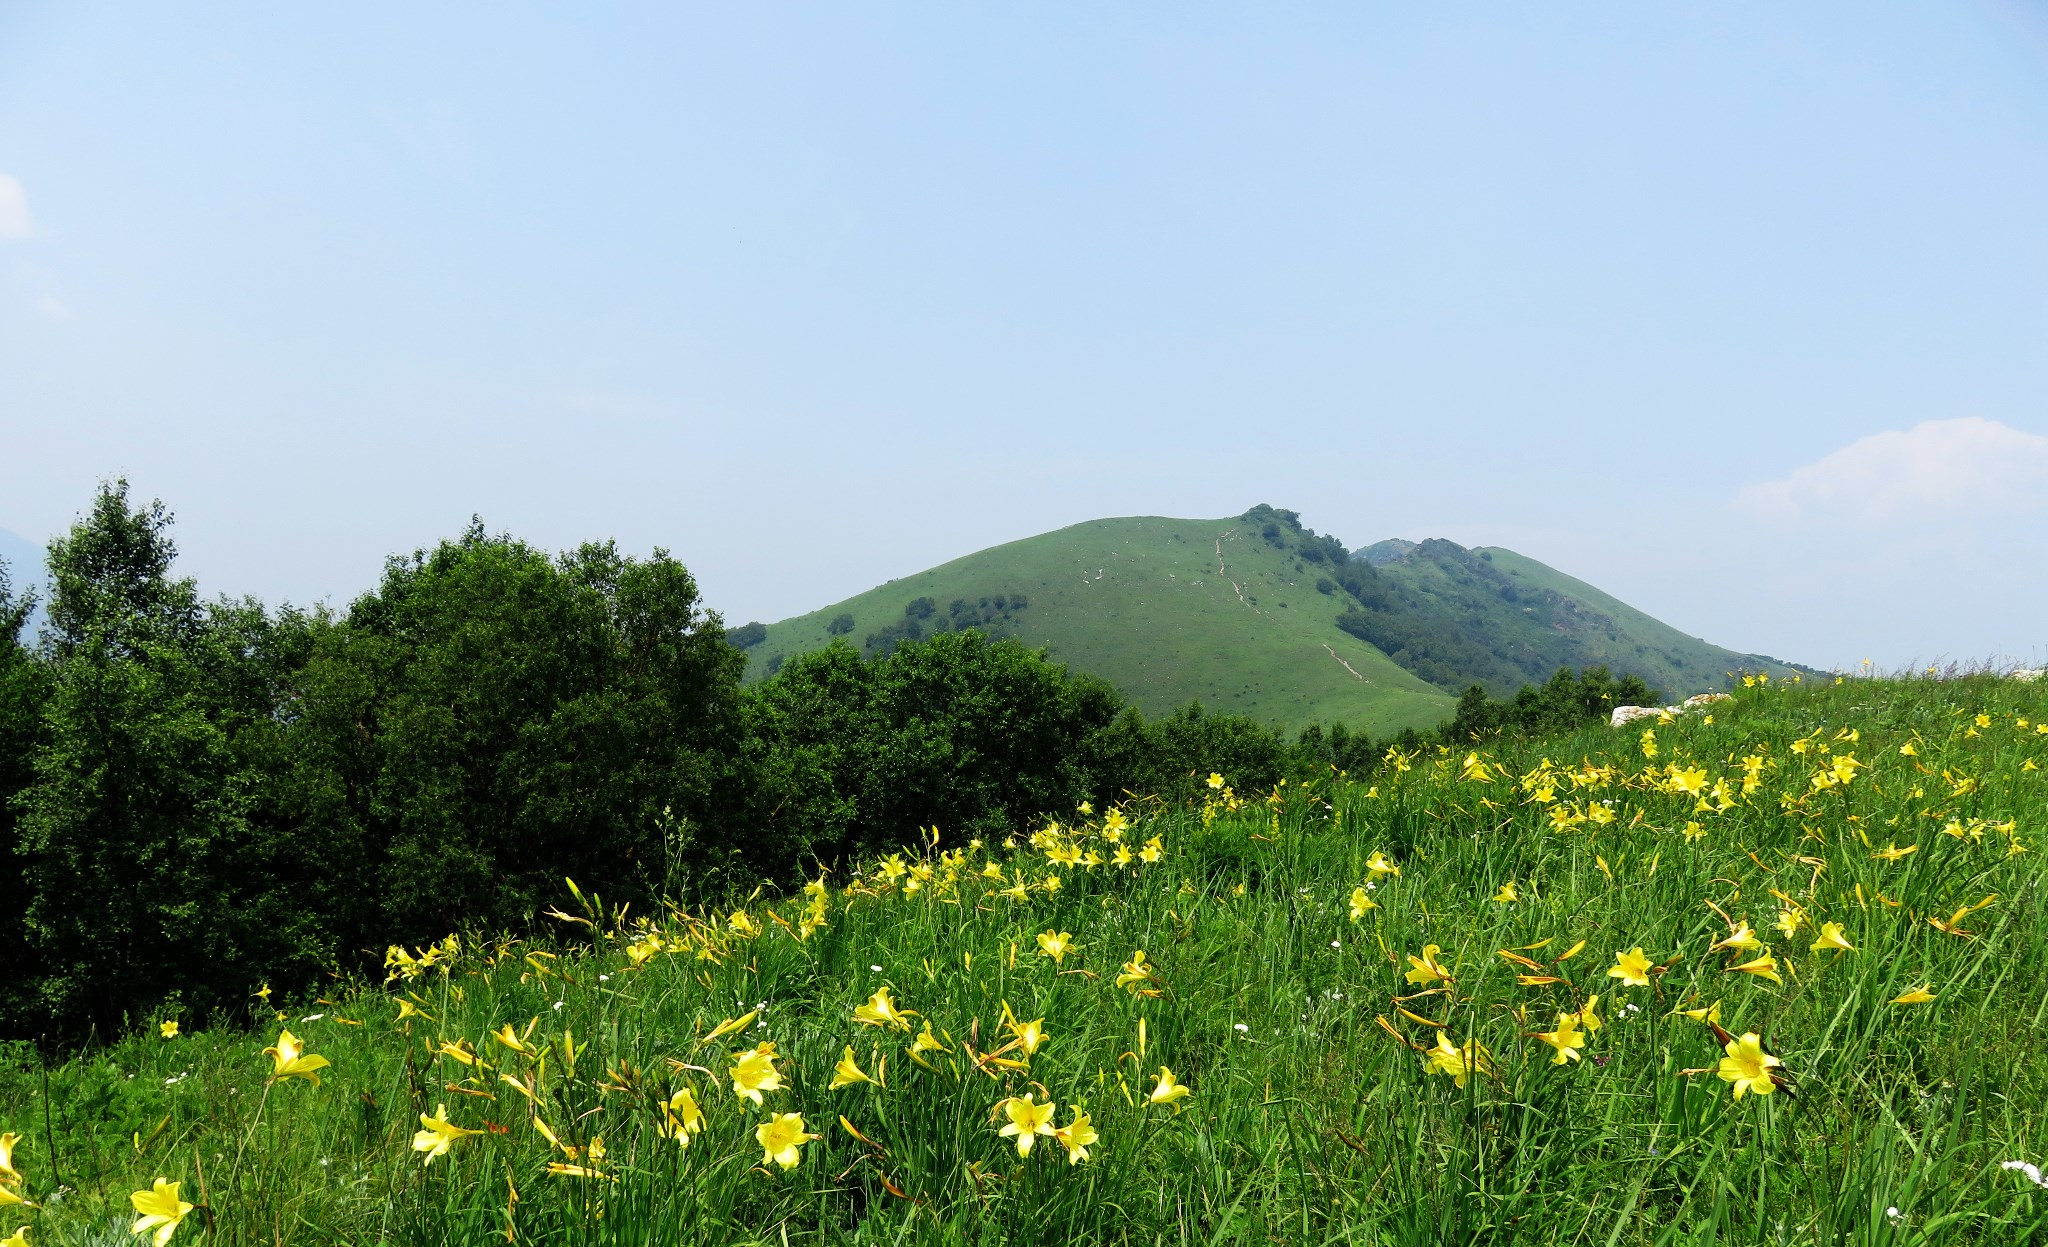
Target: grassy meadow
x,y
1774,971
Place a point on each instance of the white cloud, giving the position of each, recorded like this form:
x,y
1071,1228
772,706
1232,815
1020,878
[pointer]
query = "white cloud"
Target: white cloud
x,y
1940,468
14,218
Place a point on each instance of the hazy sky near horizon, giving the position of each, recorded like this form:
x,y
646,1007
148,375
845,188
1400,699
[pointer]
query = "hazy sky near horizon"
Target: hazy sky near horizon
x,y
1740,313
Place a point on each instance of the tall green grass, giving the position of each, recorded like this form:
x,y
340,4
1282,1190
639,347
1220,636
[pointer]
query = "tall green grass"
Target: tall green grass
x,y
1313,1116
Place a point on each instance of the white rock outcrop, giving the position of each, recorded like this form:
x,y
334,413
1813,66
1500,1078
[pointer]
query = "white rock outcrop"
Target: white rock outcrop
x,y
1624,715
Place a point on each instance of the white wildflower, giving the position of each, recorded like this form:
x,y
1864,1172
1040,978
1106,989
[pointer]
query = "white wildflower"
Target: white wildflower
x,y
2032,1171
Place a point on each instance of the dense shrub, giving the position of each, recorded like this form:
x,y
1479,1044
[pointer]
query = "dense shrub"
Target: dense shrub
x,y
1566,701
961,732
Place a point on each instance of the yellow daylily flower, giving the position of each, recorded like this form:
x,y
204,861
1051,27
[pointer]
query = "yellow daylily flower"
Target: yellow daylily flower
x,y
1567,1038
1741,937
1361,903
682,1118
1425,970
557,1169
8,1173
782,1138
1631,967
1587,1017
1135,971
1055,944
1507,894
1831,938
1454,1062
17,1239
1028,1120
289,1059
161,1210
1711,1013
1030,1036
1378,865
437,1134
927,1042
1168,1090
882,1010
1764,967
1917,996
168,1029
1748,1067
1077,1136
753,1072
846,1072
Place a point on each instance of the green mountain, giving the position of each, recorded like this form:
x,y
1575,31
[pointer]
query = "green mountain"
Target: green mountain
x,y
1497,618
1261,616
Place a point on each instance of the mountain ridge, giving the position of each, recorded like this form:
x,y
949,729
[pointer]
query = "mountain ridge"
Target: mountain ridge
x,y
1257,614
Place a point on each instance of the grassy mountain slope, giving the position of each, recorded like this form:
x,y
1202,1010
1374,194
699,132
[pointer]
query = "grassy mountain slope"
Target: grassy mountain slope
x,y
1168,610
1521,620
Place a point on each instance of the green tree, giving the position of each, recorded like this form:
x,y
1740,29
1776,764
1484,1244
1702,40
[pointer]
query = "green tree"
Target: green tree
x,y
138,804
491,720
961,732
24,692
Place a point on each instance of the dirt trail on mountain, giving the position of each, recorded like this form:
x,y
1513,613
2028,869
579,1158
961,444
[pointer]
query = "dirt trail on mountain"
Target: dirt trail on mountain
x,y
1347,666
1235,587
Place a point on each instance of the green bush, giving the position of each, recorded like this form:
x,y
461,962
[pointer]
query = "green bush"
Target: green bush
x,y
961,731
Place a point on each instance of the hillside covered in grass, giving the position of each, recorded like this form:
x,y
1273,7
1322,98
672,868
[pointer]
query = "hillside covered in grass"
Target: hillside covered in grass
x,y
1772,972
1260,616
1169,611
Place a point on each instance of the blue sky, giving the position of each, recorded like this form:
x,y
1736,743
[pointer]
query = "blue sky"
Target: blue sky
x,y
1741,313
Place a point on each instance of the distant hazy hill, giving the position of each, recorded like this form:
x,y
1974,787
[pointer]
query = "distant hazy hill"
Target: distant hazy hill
x,y
24,560
1260,616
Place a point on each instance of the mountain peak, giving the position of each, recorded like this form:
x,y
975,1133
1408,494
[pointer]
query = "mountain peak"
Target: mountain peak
x,y
1381,553
1260,615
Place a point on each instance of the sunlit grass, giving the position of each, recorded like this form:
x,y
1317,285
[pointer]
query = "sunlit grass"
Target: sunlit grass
x,y
1320,1051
